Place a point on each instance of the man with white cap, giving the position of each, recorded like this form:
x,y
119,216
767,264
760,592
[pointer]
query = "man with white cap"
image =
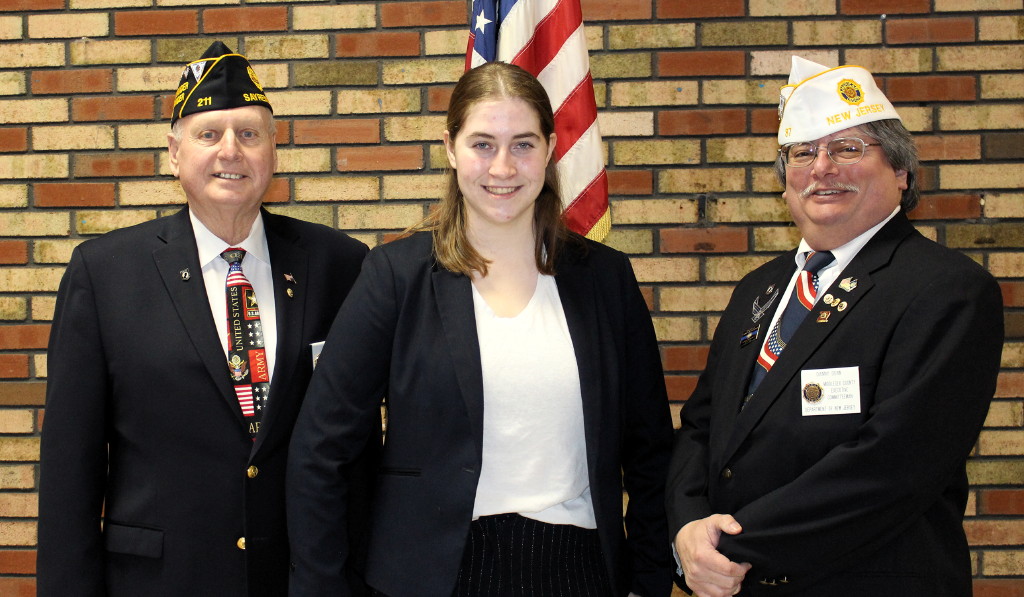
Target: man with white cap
x,y
823,451
179,355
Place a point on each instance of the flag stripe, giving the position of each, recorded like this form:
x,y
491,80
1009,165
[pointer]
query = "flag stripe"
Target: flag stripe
x,y
244,393
587,209
566,71
582,165
555,24
572,120
805,290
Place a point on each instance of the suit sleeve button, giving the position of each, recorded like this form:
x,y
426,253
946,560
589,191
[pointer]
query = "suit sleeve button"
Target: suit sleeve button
x,y
240,543
251,472
727,473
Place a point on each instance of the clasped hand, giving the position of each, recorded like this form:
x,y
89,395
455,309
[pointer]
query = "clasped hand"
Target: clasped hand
x,y
708,572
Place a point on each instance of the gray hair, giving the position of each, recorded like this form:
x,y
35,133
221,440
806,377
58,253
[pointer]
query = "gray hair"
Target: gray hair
x,y
899,149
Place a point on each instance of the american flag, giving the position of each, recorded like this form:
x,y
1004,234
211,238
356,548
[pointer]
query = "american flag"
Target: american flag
x,y
546,38
771,348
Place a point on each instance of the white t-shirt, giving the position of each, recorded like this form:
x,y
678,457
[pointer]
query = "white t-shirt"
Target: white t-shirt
x,y
534,447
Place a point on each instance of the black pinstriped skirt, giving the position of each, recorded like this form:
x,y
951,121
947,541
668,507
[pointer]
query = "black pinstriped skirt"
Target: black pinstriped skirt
x,y
508,555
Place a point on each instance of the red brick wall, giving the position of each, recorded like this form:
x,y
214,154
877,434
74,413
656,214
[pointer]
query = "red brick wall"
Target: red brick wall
x,y
686,92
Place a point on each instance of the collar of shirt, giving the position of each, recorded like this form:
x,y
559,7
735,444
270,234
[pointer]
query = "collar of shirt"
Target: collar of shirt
x,y
210,246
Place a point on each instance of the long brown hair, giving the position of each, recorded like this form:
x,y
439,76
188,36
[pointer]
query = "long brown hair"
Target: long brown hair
x,y
452,249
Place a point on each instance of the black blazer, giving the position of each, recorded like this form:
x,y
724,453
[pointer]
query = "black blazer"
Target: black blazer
x,y
136,368
407,331
854,504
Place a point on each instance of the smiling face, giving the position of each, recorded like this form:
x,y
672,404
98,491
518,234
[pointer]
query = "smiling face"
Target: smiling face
x,y
225,159
832,204
500,156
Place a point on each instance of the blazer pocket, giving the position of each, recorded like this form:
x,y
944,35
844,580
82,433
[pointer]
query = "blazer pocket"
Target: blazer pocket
x,y
131,540
400,471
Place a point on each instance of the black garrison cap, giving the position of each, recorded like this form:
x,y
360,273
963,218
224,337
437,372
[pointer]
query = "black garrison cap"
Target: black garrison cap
x,y
219,80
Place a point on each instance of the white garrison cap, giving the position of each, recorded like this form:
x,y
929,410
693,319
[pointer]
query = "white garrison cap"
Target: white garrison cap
x,y
819,101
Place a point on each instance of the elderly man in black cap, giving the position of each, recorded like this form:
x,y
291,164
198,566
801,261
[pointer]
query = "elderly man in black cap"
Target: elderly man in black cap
x,y
179,355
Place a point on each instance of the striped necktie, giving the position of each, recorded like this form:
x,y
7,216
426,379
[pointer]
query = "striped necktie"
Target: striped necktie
x,y
800,302
247,358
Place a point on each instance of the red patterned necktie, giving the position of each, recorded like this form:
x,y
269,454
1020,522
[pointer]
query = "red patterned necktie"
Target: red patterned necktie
x,y
800,302
247,358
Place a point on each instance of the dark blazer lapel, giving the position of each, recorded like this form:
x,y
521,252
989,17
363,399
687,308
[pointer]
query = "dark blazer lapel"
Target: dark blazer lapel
x,y
850,287
578,296
454,295
182,274
739,367
289,266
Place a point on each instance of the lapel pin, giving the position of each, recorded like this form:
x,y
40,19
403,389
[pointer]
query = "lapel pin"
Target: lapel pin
x,y
848,284
290,293
827,299
289,278
749,336
813,392
757,311
841,306
185,275
823,316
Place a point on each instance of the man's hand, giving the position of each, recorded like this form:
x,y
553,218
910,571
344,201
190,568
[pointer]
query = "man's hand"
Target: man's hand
x,y
709,573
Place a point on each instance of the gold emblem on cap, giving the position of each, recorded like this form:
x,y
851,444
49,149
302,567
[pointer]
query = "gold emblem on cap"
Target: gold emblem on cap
x,y
812,393
850,92
255,79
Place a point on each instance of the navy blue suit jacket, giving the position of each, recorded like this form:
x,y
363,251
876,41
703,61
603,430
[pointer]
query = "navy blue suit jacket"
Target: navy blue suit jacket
x,y
407,331
852,504
143,427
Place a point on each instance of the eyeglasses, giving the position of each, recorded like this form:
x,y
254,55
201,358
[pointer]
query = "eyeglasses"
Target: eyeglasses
x,y
843,151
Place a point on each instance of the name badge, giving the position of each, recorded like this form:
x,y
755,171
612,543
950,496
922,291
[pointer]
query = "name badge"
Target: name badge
x,y
830,391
